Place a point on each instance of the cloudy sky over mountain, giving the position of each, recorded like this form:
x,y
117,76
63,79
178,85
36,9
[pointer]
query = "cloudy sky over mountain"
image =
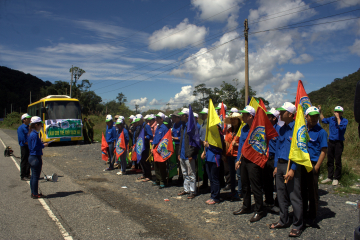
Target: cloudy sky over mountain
x,y
156,51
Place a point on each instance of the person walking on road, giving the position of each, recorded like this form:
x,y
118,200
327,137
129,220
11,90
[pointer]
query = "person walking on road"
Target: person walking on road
x,y
35,158
22,132
337,128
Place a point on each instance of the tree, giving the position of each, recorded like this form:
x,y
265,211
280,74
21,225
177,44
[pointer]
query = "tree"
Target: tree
x,y
252,93
121,98
78,72
89,101
201,90
230,94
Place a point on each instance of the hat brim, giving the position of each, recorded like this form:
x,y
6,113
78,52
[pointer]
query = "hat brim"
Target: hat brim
x,y
281,109
269,113
165,122
217,108
338,110
181,113
108,120
313,113
243,111
27,117
203,112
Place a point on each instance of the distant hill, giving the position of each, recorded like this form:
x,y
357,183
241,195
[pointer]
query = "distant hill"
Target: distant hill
x,y
15,87
340,92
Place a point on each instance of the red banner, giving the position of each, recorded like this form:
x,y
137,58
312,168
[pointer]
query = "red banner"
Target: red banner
x,y
302,97
164,149
120,147
222,116
104,149
262,104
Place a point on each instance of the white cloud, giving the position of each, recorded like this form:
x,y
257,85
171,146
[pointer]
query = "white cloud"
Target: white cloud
x,y
288,79
156,102
335,26
355,48
183,97
141,102
303,58
275,99
347,3
210,9
181,36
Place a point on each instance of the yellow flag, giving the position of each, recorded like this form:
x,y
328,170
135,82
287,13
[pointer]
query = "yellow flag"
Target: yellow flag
x,y
255,104
212,132
239,131
299,151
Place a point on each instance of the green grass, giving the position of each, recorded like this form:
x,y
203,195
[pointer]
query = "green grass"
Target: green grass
x,y
12,121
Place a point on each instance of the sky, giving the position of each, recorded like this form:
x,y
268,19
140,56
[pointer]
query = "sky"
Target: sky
x,y
156,51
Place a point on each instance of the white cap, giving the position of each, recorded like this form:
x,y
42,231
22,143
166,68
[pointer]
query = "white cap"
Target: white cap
x,y
219,106
119,121
248,109
36,119
184,111
132,117
312,111
274,112
204,111
234,110
287,106
338,109
160,114
151,116
25,115
139,116
122,117
196,115
108,118
146,117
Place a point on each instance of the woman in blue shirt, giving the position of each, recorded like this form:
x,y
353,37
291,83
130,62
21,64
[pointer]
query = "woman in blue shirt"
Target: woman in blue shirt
x,y
35,158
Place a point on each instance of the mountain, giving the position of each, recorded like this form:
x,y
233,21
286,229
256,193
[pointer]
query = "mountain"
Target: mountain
x,y
15,89
340,92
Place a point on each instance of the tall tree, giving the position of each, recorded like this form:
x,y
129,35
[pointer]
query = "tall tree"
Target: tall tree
x,y
202,92
121,98
78,72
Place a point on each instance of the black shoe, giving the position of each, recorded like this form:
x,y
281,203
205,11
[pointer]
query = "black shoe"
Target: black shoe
x,y
203,187
257,217
227,188
25,179
242,211
269,205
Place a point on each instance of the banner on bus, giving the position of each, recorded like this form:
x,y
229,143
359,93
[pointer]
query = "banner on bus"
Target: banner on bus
x,y
58,128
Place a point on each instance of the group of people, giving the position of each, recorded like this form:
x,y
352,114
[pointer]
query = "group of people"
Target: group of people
x,y
227,168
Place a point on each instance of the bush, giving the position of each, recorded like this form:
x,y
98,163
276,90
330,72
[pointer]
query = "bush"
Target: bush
x,y
12,120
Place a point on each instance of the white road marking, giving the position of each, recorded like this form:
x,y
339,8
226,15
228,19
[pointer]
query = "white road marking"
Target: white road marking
x,y
63,231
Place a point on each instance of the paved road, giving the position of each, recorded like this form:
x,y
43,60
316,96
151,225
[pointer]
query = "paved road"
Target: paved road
x,y
91,204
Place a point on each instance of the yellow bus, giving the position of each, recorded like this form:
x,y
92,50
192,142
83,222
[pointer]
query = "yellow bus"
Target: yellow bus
x,y
61,116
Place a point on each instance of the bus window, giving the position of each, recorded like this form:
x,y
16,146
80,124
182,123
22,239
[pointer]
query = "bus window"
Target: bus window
x,y
62,110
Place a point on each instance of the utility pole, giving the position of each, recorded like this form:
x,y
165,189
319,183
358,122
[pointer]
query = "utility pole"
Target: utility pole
x,y
136,108
72,78
246,31
168,106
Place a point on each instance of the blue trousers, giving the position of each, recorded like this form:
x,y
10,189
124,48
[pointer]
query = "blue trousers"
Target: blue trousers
x,y
35,162
111,154
213,173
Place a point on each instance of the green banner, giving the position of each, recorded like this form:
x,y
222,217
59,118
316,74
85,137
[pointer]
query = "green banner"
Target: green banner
x,y
59,128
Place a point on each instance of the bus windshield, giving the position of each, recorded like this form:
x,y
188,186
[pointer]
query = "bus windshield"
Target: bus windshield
x,y
62,110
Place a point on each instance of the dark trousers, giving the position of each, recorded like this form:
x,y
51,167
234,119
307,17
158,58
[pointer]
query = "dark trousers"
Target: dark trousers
x,y
36,165
268,180
213,173
111,154
91,134
232,173
24,164
335,149
289,194
251,175
227,173
310,191
221,174
160,172
145,164
177,148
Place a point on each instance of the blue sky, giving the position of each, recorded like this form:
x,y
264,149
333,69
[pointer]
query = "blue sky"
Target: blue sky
x,y
156,51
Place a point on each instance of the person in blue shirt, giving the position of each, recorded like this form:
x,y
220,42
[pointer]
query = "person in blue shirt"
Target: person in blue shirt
x,y
35,157
204,114
22,132
121,128
160,167
110,137
176,133
250,172
268,177
187,156
144,162
337,129
317,148
197,119
287,193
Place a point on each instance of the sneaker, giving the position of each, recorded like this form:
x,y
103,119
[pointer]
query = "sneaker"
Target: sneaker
x,y
119,173
108,169
191,196
25,179
335,182
326,180
38,196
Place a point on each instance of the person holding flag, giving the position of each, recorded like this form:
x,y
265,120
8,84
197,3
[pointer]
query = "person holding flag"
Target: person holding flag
x,y
110,137
317,148
188,151
205,178
288,183
176,134
160,150
122,136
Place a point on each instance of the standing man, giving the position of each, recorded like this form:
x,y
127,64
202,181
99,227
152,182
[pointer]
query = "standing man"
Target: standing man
x,y
176,134
187,156
337,128
110,137
90,127
250,172
23,131
160,167
317,147
121,128
288,193
204,115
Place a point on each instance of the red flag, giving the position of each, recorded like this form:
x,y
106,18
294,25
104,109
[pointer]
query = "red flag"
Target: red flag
x,y
262,104
120,145
133,154
104,148
302,97
164,149
222,118
256,146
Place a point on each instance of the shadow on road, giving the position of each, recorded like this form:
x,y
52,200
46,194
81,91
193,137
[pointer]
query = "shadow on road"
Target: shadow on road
x,y
63,194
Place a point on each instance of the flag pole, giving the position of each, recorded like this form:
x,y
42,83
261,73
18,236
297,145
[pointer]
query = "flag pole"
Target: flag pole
x,y
287,169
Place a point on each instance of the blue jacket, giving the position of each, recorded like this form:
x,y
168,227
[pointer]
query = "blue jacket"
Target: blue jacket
x,y
159,134
336,131
272,142
318,140
22,132
110,134
244,134
213,154
35,144
176,131
284,143
126,135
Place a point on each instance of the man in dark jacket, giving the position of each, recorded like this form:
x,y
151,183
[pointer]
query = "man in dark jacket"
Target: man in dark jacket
x,y
187,156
